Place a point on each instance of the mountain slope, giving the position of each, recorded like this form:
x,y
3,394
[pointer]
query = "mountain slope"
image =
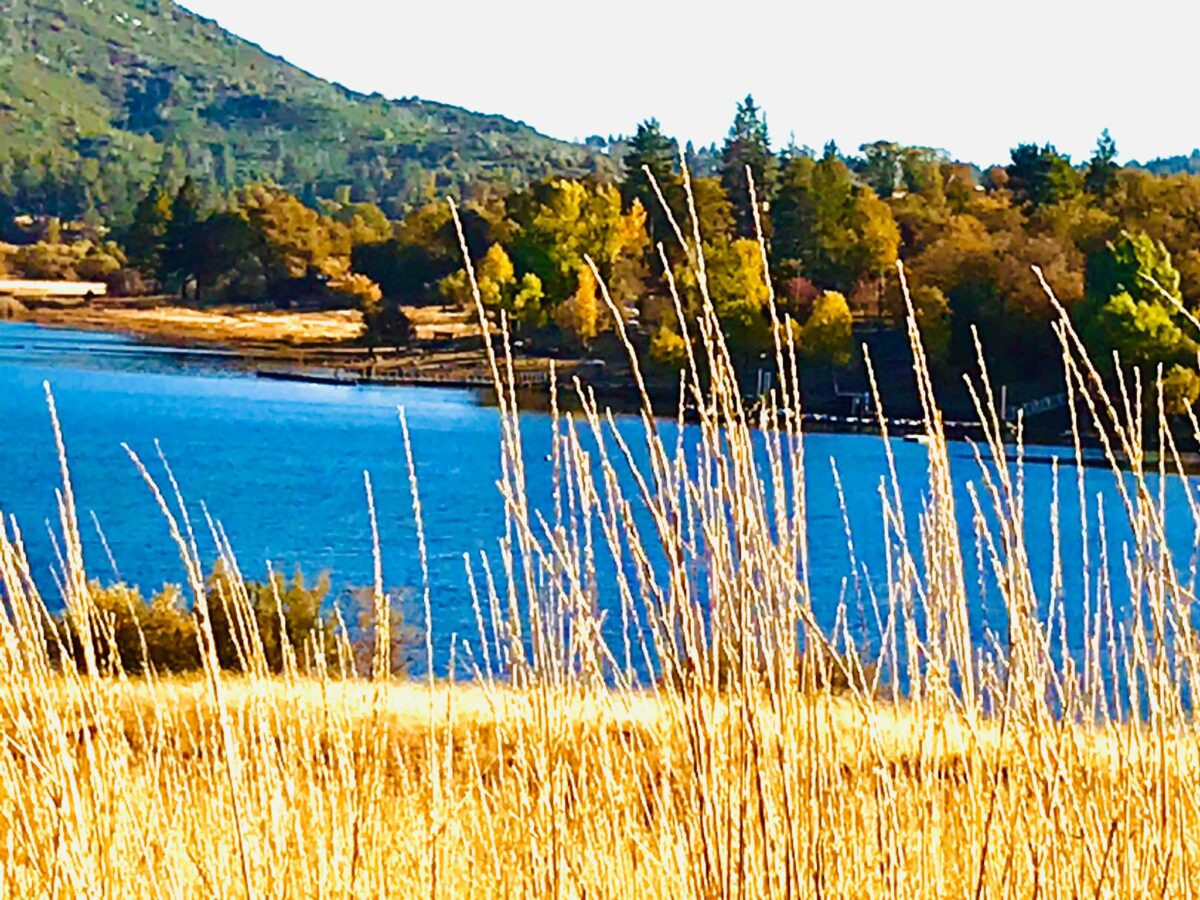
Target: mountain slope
x,y
99,97
1172,165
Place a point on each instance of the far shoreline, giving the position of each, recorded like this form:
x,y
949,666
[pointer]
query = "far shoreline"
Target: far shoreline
x,y
265,342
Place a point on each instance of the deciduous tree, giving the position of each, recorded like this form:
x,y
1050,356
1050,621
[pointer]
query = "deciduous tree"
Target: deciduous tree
x,y
827,337
1132,304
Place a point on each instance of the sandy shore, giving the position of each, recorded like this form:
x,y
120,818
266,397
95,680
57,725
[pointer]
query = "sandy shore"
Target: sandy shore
x,y
239,325
232,326
305,340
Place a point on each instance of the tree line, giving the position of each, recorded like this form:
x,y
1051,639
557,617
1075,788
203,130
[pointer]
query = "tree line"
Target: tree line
x,y
1119,246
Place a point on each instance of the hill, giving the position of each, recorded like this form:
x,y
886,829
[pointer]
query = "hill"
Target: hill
x,y
1172,165
100,97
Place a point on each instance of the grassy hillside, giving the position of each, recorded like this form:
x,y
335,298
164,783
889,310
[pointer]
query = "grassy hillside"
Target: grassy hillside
x,y
98,94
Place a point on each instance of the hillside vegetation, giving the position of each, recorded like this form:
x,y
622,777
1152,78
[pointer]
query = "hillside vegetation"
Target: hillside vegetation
x,y
122,92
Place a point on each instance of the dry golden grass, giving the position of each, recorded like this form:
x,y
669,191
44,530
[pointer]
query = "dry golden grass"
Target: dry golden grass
x,y
435,322
1001,769
224,324
235,325
124,789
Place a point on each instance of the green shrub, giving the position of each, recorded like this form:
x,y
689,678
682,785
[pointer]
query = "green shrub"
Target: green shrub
x,y
129,630
281,608
80,261
251,621
1181,389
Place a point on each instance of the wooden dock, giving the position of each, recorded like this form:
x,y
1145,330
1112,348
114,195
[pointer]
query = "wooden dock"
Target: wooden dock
x,y
405,377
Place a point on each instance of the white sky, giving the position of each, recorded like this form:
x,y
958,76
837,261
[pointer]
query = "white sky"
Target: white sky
x,y
972,77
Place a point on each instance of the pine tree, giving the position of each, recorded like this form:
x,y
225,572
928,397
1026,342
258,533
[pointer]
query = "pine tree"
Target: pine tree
x,y
1101,175
1041,176
748,147
651,150
145,241
179,240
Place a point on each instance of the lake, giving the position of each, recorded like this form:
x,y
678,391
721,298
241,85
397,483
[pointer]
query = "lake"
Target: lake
x,y
281,464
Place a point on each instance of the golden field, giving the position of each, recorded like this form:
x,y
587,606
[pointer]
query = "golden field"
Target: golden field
x,y
327,788
222,325
237,326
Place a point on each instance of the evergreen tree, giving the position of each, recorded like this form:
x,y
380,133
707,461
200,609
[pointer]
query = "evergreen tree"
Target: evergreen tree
x,y
748,146
145,240
179,251
652,150
882,166
1040,176
830,229
1101,175
218,247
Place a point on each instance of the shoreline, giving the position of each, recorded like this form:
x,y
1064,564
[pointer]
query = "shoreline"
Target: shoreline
x,y
264,342
307,340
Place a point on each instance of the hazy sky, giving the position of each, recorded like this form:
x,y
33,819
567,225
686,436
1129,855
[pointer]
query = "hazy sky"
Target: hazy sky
x,y
971,77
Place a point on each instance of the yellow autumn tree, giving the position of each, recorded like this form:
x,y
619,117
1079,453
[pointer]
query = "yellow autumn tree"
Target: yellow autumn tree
x,y
559,224
738,289
668,348
579,316
494,275
827,337
296,240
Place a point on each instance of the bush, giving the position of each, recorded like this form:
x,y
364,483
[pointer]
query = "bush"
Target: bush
x,y
99,264
45,261
359,291
281,608
128,631
1181,389
250,620
128,283
668,349
81,261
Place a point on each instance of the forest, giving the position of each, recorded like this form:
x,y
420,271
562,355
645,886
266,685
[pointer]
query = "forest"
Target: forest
x,y
1119,246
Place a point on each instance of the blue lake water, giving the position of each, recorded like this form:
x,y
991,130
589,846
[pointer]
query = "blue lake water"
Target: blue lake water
x,y
281,464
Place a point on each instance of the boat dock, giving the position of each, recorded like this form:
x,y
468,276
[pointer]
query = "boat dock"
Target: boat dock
x,y
403,377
